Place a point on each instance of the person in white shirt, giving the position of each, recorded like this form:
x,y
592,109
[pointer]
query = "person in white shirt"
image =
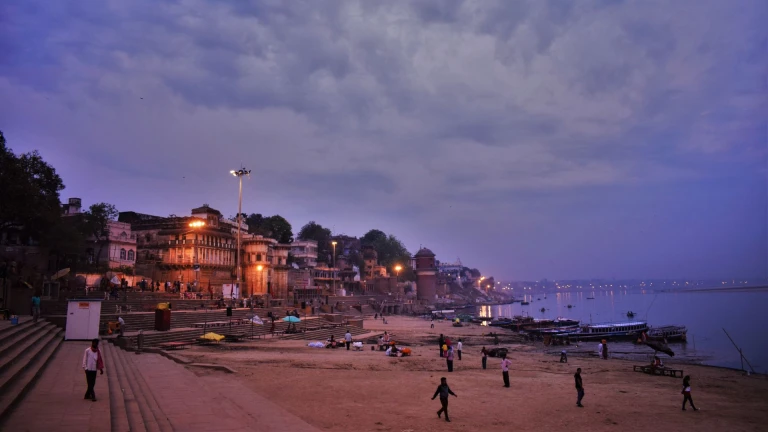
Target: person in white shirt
x,y
92,362
458,348
600,349
505,364
122,325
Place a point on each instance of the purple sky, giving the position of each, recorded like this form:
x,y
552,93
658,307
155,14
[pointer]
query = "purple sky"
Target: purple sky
x,y
532,139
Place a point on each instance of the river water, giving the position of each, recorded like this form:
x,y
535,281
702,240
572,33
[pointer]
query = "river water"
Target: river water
x,y
705,314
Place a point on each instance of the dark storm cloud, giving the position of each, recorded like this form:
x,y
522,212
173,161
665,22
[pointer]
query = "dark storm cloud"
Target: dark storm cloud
x,y
455,115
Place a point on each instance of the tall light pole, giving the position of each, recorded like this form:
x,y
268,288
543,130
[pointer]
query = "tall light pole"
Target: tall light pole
x,y
239,174
196,264
333,243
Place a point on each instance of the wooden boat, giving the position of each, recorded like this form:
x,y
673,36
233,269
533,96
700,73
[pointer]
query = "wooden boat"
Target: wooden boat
x,y
525,303
623,330
565,322
669,333
499,322
591,297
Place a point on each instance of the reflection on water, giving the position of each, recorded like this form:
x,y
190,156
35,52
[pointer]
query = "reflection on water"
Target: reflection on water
x,y
705,315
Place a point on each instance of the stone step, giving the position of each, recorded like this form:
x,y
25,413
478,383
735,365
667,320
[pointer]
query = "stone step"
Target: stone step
x,y
12,354
7,329
128,399
118,415
13,334
153,415
20,378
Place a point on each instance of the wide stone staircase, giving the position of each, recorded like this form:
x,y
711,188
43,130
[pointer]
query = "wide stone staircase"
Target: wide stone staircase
x,y
137,393
25,349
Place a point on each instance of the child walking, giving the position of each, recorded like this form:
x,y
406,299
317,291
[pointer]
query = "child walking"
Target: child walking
x,y
443,390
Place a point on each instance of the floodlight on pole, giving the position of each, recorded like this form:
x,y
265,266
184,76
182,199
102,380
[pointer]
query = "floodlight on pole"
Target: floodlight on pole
x,y
334,243
242,172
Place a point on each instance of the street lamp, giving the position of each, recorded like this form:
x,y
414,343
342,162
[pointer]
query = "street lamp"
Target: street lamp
x,y
239,174
397,270
333,243
196,264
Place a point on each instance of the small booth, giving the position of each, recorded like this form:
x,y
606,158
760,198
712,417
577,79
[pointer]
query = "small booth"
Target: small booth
x,y
83,317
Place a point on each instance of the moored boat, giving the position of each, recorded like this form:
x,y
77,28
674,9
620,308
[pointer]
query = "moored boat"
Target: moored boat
x,y
669,333
618,330
525,303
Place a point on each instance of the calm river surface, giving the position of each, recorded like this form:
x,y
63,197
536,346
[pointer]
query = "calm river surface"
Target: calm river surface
x,y
705,314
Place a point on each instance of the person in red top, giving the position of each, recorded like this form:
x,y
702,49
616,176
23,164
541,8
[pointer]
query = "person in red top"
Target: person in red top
x,y
92,361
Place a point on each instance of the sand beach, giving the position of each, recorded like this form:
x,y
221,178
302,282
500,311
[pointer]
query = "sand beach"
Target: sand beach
x,y
340,390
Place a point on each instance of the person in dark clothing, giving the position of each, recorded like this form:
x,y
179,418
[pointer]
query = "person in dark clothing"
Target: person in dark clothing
x,y
440,342
443,390
687,392
579,388
484,352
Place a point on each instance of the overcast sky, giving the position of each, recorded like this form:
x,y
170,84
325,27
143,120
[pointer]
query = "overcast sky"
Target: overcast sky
x,y
560,139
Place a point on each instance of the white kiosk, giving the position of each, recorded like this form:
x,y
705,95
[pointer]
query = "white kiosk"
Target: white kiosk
x,y
83,317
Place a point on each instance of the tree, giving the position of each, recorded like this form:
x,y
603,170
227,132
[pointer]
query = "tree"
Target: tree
x,y
274,227
316,232
372,236
389,249
280,229
65,241
96,224
29,200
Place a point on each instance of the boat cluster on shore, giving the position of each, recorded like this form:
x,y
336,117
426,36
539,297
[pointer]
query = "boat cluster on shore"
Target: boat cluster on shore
x,y
574,330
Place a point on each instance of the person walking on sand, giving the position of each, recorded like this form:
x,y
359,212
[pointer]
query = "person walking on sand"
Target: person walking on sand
x,y
443,390
687,392
92,362
449,359
605,350
600,350
505,364
484,352
348,339
458,348
579,388
440,342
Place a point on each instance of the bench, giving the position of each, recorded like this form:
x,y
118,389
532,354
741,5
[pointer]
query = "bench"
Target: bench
x,y
169,346
674,373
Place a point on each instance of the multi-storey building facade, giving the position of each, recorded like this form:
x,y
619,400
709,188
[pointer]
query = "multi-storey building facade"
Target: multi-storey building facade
x,y
170,248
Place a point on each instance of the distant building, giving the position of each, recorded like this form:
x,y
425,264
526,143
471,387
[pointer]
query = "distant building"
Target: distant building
x,y
73,207
304,253
117,244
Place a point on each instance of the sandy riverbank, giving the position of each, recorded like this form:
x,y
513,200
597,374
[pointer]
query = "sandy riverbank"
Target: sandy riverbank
x,y
343,390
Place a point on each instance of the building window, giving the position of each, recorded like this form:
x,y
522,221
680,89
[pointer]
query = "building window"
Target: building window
x,y
122,254
258,257
130,255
